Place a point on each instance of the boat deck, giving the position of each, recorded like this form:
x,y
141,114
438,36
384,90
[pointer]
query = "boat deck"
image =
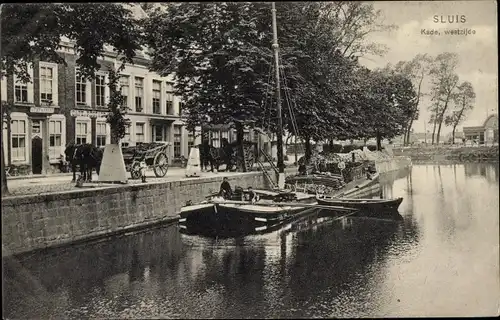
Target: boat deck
x,y
299,195
352,185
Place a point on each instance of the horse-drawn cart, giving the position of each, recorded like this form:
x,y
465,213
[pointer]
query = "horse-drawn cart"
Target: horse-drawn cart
x,y
146,155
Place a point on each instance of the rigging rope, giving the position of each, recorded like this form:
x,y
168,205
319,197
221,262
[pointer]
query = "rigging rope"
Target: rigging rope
x,y
289,104
264,101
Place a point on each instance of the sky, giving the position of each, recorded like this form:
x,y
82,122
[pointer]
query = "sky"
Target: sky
x,y
478,53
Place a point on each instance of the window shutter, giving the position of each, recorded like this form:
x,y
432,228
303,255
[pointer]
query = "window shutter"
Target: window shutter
x,y
106,89
31,91
55,86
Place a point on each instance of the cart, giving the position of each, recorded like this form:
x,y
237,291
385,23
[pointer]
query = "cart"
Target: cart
x,y
146,155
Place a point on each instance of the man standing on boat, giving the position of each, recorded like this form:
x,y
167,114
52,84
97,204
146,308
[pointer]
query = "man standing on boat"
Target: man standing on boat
x,y
225,189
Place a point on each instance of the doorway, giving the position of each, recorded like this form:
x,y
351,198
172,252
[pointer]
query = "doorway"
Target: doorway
x,y
36,154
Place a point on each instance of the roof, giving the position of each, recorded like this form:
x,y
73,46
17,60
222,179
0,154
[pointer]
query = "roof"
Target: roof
x,y
489,118
473,129
477,127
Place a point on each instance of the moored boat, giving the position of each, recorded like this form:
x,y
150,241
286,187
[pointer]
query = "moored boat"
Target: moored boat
x,y
362,204
358,186
269,208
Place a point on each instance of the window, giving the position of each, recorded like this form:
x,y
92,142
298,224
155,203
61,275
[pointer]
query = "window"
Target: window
x,y
215,139
55,138
21,92
170,99
225,135
139,94
81,90
158,133
139,132
36,127
177,141
46,84
127,134
170,104
125,88
100,88
18,129
156,97
100,132
190,142
82,131
246,136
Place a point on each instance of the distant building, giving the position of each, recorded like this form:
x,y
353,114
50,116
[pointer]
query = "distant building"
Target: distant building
x,y
458,137
418,137
487,132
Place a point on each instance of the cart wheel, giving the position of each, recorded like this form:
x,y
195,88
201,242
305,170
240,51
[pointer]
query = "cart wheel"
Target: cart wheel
x,y
135,170
160,164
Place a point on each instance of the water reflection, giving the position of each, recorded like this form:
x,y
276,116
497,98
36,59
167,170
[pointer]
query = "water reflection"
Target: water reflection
x,y
442,259
487,170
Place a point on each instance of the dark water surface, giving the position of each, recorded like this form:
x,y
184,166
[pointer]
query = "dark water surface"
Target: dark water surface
x,y
442,259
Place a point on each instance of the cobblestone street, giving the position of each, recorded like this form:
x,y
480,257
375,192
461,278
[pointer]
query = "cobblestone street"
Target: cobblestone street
x,y
62,182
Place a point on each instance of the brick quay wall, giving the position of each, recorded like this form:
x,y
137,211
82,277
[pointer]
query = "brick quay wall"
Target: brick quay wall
x,y
33,222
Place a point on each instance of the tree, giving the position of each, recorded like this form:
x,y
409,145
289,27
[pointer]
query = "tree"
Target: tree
x,y
416,70
388,104
116,116
434,108
221,56
215,51
445,81
464,101
34,31
348,25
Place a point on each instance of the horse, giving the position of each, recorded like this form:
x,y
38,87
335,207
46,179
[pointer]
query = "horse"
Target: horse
x,y
86,156
216,156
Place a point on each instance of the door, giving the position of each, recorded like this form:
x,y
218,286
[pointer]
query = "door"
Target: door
x,y
36,154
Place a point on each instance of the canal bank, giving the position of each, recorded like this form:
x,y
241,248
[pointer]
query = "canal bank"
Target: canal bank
x,y
33,222
450,152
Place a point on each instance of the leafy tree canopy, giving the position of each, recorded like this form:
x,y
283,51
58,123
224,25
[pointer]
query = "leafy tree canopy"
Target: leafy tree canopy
x,y
34,31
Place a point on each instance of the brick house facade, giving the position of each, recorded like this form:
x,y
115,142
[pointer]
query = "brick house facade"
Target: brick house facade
x,y
57,108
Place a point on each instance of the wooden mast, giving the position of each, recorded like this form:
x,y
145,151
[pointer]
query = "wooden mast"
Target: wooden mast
x,y
279,135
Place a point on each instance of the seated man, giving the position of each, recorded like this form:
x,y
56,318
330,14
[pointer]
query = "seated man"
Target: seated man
x,y
225,189
250,195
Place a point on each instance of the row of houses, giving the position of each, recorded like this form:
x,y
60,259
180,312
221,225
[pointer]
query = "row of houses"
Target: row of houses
x,y
58,107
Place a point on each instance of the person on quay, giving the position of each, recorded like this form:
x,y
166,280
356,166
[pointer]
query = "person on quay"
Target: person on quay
x,y
225,189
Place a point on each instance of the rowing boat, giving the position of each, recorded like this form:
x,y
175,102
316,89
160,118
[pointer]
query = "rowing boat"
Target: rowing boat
x,y
362,204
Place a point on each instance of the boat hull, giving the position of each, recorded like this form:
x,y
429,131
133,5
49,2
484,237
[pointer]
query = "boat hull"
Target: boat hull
x,y
236,214
232,224
381,205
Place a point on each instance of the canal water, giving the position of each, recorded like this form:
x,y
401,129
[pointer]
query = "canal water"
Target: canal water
x,y
440,259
